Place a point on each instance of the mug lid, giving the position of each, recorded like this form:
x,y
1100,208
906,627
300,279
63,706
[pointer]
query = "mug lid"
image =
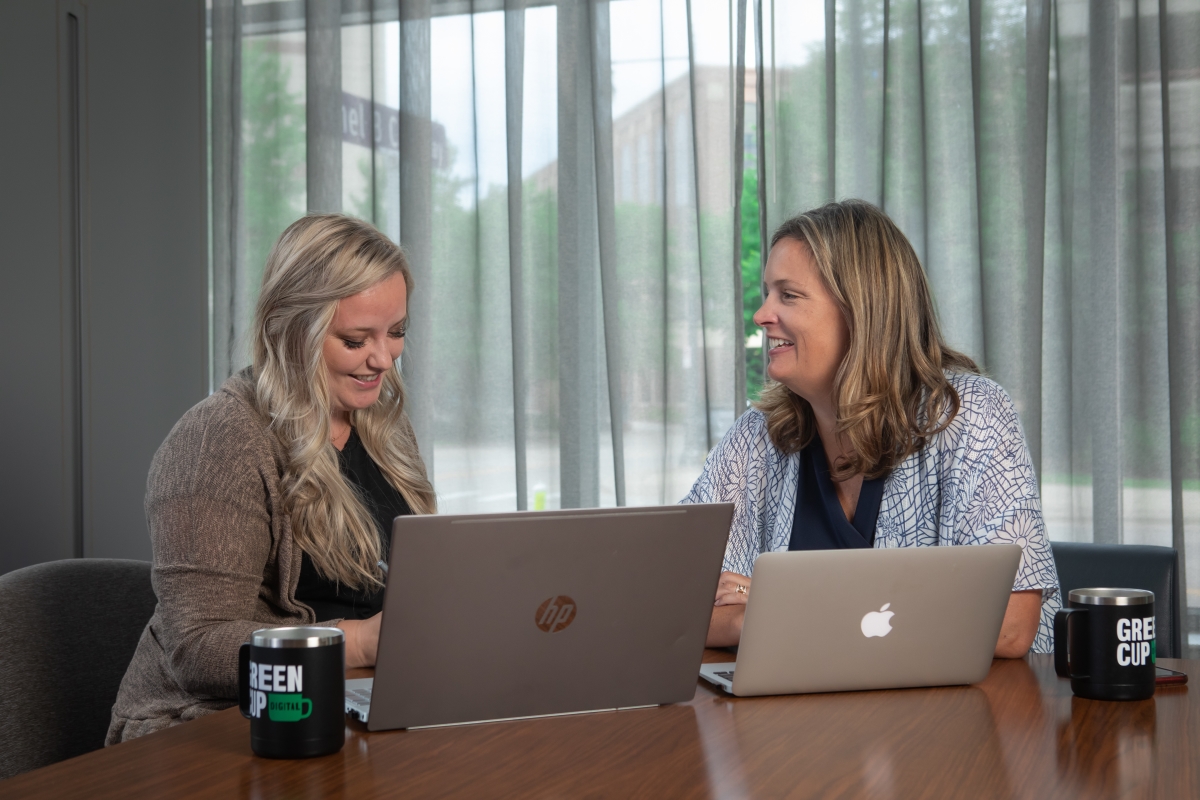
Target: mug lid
x,y
1111,597
297,636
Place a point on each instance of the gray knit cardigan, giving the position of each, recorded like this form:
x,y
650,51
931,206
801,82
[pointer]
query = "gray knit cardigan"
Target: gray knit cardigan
x,y
225,562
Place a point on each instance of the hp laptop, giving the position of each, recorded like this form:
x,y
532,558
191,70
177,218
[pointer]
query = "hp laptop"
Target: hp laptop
x,y
527,614
842,620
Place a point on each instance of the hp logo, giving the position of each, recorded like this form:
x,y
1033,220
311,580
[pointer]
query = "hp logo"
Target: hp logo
x,y
555,613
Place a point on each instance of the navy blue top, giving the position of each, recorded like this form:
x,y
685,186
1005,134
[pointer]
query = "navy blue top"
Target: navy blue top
x,y
820,523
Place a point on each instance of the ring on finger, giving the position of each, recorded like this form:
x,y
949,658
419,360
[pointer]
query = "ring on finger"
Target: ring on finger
x,y
742,589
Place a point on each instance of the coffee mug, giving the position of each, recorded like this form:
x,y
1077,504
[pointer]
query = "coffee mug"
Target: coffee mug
x,y
292,686
1104,642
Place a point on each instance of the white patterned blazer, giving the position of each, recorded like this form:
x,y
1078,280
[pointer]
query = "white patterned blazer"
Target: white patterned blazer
x,y
973,483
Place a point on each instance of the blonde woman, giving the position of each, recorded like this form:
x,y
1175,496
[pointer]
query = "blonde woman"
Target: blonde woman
x,y
270,502
872,432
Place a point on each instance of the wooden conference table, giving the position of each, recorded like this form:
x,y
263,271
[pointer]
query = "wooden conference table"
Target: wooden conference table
x,y
1020,733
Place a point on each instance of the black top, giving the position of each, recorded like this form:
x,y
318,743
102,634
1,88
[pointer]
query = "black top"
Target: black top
x,y
326,597
820,523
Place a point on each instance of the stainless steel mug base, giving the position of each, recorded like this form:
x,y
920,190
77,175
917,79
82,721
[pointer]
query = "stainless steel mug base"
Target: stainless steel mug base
x,y
310,748
1111,691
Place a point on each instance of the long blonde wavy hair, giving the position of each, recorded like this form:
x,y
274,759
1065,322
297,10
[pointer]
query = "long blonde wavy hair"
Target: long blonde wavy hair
x,y
319,260
890,392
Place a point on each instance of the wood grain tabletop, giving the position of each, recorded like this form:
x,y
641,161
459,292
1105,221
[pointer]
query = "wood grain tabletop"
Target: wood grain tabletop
x,y
1019,734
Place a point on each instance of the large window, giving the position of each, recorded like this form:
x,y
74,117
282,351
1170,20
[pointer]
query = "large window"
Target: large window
x,y
584,190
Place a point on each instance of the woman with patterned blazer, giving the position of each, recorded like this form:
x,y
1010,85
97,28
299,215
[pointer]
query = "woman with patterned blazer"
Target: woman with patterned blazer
x,y
871,432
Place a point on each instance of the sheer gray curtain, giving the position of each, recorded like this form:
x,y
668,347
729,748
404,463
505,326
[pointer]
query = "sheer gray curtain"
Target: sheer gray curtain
x,y
583,188
561,177
1043,158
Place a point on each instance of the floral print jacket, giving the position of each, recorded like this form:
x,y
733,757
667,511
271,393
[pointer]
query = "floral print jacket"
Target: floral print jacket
x,y
973,483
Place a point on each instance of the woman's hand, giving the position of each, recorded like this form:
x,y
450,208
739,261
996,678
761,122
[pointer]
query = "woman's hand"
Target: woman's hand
x,y
725,626
362,641
732,589
729,610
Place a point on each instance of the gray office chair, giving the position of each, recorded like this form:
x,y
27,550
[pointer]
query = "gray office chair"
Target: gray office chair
x,y
1127,566
67,633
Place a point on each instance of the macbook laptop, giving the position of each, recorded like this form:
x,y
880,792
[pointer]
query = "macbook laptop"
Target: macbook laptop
x,y
842,620
527,614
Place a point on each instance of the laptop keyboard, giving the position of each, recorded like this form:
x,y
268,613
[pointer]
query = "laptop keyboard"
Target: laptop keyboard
x,y
362,696
726,675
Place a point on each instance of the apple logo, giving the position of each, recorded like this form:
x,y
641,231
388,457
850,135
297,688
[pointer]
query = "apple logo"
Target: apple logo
x,y
877,623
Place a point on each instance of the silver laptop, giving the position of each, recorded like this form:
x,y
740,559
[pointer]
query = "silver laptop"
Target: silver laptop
x,y
842,620
528,614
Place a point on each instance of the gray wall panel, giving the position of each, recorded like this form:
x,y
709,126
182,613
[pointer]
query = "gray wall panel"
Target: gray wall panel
x,y
144,289
35,511
146,246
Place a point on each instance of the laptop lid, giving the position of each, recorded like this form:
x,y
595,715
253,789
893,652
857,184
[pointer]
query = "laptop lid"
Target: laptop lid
x,y
532,613
838,620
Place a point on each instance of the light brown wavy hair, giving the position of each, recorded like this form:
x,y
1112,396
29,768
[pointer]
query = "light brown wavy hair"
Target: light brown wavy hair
x,y
890,392
319,260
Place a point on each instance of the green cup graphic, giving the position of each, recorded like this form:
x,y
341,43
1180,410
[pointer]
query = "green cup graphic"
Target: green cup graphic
x,y
288,707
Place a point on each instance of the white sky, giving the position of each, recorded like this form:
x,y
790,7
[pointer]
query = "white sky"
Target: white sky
x,y
639,37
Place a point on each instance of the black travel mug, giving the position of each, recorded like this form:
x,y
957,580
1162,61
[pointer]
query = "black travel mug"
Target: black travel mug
x,y
1104,642
292,687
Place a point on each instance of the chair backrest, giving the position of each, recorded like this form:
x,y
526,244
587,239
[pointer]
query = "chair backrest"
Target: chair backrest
x,y
67,634
1127,566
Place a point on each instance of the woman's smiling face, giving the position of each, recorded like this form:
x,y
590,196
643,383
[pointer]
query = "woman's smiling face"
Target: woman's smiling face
x,y
807,335
364,341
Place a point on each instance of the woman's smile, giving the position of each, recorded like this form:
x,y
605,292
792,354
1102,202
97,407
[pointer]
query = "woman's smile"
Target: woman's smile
x,y
777,346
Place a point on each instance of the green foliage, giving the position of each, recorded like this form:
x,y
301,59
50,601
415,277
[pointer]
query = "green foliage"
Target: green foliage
x,y
751,253
472,327
751,280
273,155
541,278
454,272
645,295
1190,435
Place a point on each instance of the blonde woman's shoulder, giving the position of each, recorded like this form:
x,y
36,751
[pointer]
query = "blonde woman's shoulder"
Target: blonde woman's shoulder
x,y
218,433
230,408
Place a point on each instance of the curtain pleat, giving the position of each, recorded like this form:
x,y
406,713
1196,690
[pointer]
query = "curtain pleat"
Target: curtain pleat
x,y
1181,358
1037,109
226,142
738,160
760,148
514,95
830,98
599,37
664,147
419,361
1104,391
579,332
975,30
323,104
902,167
698,224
